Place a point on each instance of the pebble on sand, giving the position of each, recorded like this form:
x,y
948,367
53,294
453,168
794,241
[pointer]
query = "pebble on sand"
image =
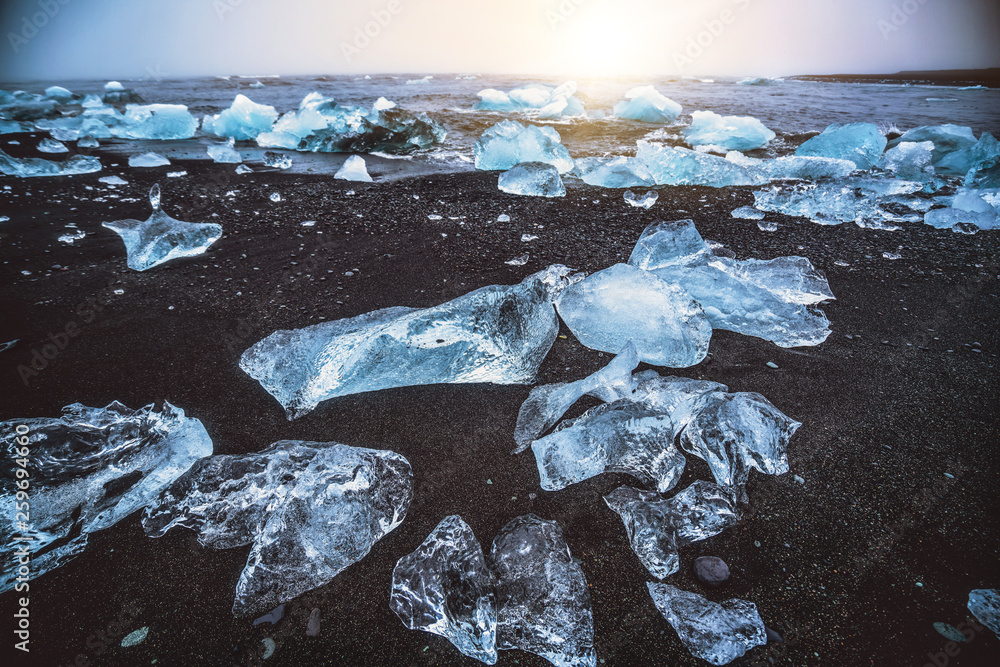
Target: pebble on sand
x,y
711,570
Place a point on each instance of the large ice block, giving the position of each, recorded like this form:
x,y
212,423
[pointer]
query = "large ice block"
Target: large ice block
x,y
543,603
910,160
978,207
160,238
224,153
861,143
947,138
616,172
984,603
445,587
657,527
33,166
496,334
310,510
156,121
647,105
718,633
89,469
959,162
243,120
532,179
509,143
681,166
730,133
984,175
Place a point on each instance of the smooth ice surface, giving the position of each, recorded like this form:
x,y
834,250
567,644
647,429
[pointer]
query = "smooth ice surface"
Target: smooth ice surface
x,y
148,160
89,469
657,527
224,153
532,179
353,169
647,105
310,510
984,603
645,201
731,133
33,166
861,143
509,143
446,587
156,121
160,238
718,633
621,303
959,162
616,172
946,138
543,602
681,166
910,160
496,334
243,120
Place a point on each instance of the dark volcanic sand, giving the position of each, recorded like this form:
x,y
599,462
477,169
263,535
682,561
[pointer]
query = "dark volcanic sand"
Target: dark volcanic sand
x,y
853,567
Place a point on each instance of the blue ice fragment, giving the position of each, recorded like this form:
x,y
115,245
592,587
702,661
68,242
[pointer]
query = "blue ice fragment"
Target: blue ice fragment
x,y
33,166
910,160
984,604
861,143
730,133
224,153
156,121
533,179
243,120
616,172
959,162
509,143
647,105
947,138
681,166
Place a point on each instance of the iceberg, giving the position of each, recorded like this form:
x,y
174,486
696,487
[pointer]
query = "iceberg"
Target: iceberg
x,y
225,153
51,146
33,166
243,120
89,469
445,587
730,133
310,510
658,527
543,602
161,238
616,172
646,201
353,169
148,160
946,138
422,80
910,160
509,143
497,334
533,179
681,166
959,162
156,121
647,105
718,633
861,143
984,604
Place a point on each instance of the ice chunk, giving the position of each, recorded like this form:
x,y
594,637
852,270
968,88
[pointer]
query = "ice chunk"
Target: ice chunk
x,y
89,469
550,102
534,179
113,87
861,143
621,303
496,334
256,84
422,80
353,169
113,180
156,121
161,238
87,142
718,633
59,94
984,175
681,166
51,146
243,120
852,200
984,604
491,99
277,160
658,527
747,213
243,169
446,588
148,160
617,172
310,509
797,167
543,602
72,237
980,208
946,138
509,143
731,133
959,162
910,160
33,166
669,244
647,105
759,81
225,153
646,201
15,126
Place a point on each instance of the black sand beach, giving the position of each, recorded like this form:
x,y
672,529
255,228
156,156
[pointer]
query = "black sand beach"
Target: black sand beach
x,y
853,566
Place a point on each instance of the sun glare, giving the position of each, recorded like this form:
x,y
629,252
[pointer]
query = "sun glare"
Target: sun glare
x,y
602,46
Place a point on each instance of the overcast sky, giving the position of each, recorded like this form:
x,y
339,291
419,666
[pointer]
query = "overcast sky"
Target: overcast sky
x,y
107,39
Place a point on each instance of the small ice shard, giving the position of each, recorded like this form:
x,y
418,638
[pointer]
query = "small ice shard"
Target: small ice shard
x,y
243,120
681,166
225,153
310,510
275,197
718,633
543,602
520,260
646,201
313,624
532,179
176,174
243,169
984,603
113,180
525,238
730,133
256,84
148,160
353,169
156,121
657,527
748,213
618,172
959,162
647,105
503,217
135,638
72,237
446,588
910,160
113,87
87,142
89,469
861,143
547,403
277,160
33,166
496,334
621,303
52,146
509,143
161,238
947,138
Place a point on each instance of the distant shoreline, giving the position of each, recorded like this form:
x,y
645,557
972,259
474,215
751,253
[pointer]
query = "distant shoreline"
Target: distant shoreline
x,y
989,78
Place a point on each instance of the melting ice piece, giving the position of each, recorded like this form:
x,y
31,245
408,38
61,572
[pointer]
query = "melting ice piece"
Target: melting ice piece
x,y
617,172
113,180
551,102
748,213
984,175
979,208
646,201
794,166
658,527
353,169
225,153
277,160
148,160
243,120
910,160
161,238
509,143
156,121
87,142
959,162
946,138
852,200
669,244
52,146
621,303
496,334
731,133
543,603
59,94
647,105
622,436
533,179
718,633
243,169
861,143
681,166
89,469
547,403
984,604
33,166
310,509
446,588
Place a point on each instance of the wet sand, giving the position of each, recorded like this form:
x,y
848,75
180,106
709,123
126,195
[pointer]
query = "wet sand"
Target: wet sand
x,y
853,566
